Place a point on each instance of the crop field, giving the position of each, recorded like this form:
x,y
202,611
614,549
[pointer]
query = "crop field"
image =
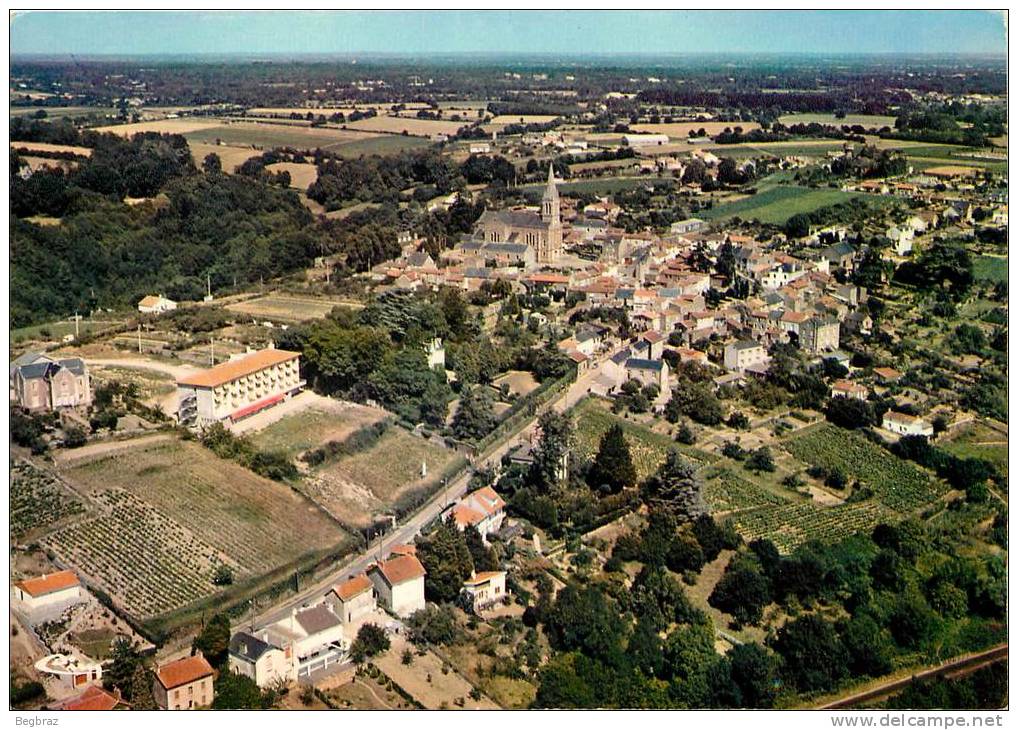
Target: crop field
x,y
61,112
801,148
38,499
267,136
177,506
897,484
990,268
315,426
383,144
47,147
648,448
780,203
412,126
865,120
978,439
356,488
790,525
231,157
726,491
505,120
302,174
289,308
681,130
161,126
145,561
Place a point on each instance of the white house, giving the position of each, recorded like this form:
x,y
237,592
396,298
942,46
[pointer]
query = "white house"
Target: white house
x,y
315,636
848,389
901,238
743,354
399,584
482,509
436,353
156,305
353,598
262,662
906,425
484,590
70,671
47,594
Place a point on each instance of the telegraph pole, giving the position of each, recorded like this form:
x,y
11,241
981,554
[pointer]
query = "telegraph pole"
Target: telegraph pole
x,y
212,351
139,339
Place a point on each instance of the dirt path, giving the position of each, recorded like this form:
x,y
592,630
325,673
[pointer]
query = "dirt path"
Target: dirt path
x,y
372,692
96,451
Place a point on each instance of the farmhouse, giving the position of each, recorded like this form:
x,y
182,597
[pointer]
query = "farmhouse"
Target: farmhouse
x,y
906,425
264,663
239,388
48,593
484,590
848,389
482,509
353,598
184,684
399,584
156,305
70,671
41,383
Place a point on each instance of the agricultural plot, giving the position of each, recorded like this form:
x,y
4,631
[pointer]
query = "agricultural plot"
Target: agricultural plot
x,y
990,268
383,144
864,120
648,448
605,186
780,203
253,522
230,157
980,440
145,561
287,308
896,484
726,491
162,126
681,130
47,147
410,125
38,499
302,174
313,427
267,136
791,525
504,120
356,488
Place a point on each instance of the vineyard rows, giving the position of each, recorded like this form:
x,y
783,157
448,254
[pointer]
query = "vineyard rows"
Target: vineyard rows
x,y
147,562
726,491
897,484
790,525
37,499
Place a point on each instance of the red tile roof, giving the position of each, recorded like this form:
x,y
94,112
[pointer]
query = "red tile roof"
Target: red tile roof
x,y
483,577
93,698
400,569
47,584
352,587
235,369
183,671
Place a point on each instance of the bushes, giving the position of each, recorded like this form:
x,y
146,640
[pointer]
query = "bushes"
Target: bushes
x,y
360,440
272,464
25,692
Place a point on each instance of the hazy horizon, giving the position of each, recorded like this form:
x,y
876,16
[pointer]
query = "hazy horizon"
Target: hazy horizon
x,y
442,33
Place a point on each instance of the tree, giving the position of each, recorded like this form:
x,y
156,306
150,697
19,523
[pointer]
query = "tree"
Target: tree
x,y
223,575
850,413
237,692
742,592
869,647
754,671
483,555
814,657
761,460
475,417
613,468
798,226
214,640
121,670
371,640
676,488
433,625
585,619
212,165
552,451
446,557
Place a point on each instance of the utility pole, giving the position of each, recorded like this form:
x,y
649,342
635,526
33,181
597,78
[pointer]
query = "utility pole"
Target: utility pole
x,y
139,339
212,351
76,318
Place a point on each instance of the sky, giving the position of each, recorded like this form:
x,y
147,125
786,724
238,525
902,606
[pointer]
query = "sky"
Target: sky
x,y
517,32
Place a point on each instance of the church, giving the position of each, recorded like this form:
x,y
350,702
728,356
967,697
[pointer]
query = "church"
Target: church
x,y
542,232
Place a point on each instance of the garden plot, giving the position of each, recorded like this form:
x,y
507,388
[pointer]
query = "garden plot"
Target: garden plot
x,y
520,382
38,499
327,420
253,522
356,488
287,308
896,484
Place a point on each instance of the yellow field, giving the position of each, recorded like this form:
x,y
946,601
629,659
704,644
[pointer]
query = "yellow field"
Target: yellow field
x,y
231,157
302,174
397,125
286,307
680,130
40,163
504,119
162,126
46,147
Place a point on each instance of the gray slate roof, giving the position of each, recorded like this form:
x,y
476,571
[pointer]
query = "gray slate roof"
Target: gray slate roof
x,y
316,619
248,647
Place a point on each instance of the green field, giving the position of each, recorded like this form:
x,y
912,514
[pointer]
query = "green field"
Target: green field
x,y
56,330
978,440
897,484
648,448
990,268
865,120
313,427
389,144
791,525
781,202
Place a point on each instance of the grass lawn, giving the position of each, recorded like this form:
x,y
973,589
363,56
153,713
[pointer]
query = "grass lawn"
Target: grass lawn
x,y
313,427
393,464
990,268
980,440
55,330
776,205
389,144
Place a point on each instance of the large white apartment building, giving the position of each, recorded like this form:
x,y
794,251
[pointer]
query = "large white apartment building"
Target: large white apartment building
x,y
238,388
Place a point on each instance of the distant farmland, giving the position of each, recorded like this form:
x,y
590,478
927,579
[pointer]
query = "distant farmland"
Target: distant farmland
x,y
864,120
777,205
46,147
410,125
302,174
681,130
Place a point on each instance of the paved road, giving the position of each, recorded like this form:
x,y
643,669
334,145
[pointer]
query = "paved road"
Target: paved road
x,y
407,531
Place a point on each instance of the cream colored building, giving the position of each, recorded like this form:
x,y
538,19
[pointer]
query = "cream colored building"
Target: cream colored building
x,y
184,684
46,593
484,590
264,663
238,388
399,584
353,598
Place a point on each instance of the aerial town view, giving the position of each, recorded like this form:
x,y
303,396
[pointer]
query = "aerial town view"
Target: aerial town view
x,y
487,360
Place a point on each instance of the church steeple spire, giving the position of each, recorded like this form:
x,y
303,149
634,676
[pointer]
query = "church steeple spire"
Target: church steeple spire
x,y
550,212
